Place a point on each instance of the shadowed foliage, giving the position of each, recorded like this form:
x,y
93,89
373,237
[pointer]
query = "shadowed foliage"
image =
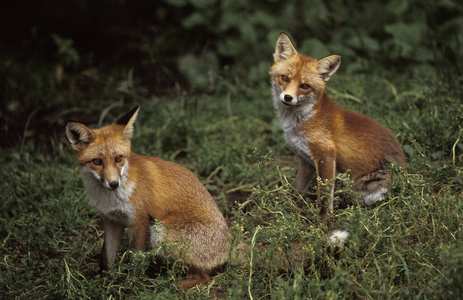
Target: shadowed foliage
x,y
199,71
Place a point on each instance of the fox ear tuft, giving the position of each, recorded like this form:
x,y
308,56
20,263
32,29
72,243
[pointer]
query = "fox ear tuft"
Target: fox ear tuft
x,y
127,121
328,65
284,48
79,135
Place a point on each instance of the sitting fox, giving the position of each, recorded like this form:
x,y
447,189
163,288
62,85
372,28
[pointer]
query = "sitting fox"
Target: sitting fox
x,y
328,139
134,191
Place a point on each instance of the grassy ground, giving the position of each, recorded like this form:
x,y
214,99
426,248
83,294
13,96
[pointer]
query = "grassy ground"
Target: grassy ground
x,y
409,246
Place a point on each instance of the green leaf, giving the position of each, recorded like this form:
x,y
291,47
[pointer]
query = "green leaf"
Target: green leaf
x,y
315,48
193,20
407,34
364,42
397,7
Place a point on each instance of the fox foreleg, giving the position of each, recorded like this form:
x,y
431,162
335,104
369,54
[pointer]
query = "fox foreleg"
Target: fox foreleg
x,y
326,170
139,235
112,240
305,173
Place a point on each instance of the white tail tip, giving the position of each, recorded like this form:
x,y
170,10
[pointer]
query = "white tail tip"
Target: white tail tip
x,y
338,237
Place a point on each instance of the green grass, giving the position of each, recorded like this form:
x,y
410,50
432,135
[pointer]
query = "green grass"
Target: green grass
x,y
409,246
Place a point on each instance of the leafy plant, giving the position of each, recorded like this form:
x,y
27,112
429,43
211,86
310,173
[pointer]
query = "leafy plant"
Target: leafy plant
x,y
400,66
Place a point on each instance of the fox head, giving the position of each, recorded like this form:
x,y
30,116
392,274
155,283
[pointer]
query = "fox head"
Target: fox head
x,y
298,80
102,153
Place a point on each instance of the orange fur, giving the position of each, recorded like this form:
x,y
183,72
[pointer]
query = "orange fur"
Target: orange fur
x,y
328,139
133,191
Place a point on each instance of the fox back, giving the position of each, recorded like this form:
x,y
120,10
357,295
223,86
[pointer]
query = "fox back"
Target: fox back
x,y
328,139
159,201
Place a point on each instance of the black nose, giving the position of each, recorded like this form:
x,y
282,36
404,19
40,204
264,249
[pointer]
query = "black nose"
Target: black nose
x,y
288,98
113,184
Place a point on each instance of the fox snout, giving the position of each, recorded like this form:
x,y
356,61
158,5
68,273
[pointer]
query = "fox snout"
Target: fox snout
x,y
112,185
108,182
111,178
287,99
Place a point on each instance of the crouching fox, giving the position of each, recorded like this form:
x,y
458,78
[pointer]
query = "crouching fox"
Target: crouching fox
x,y
157,200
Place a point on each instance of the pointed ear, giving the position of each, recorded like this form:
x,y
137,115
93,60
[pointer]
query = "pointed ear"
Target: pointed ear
x,y
284,48
328,65
127,121
79,135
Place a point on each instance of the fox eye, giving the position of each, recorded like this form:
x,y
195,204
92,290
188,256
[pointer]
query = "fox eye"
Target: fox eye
x,y
118,159
97,162
284,78
305,86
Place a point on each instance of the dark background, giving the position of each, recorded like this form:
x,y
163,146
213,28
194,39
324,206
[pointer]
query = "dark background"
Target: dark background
x,y
199,70
56,54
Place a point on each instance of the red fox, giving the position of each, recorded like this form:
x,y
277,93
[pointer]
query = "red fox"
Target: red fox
x,y
328,139
134,191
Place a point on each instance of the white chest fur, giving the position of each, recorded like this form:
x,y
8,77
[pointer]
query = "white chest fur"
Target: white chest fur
x,y
299,143
291,119
113,204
